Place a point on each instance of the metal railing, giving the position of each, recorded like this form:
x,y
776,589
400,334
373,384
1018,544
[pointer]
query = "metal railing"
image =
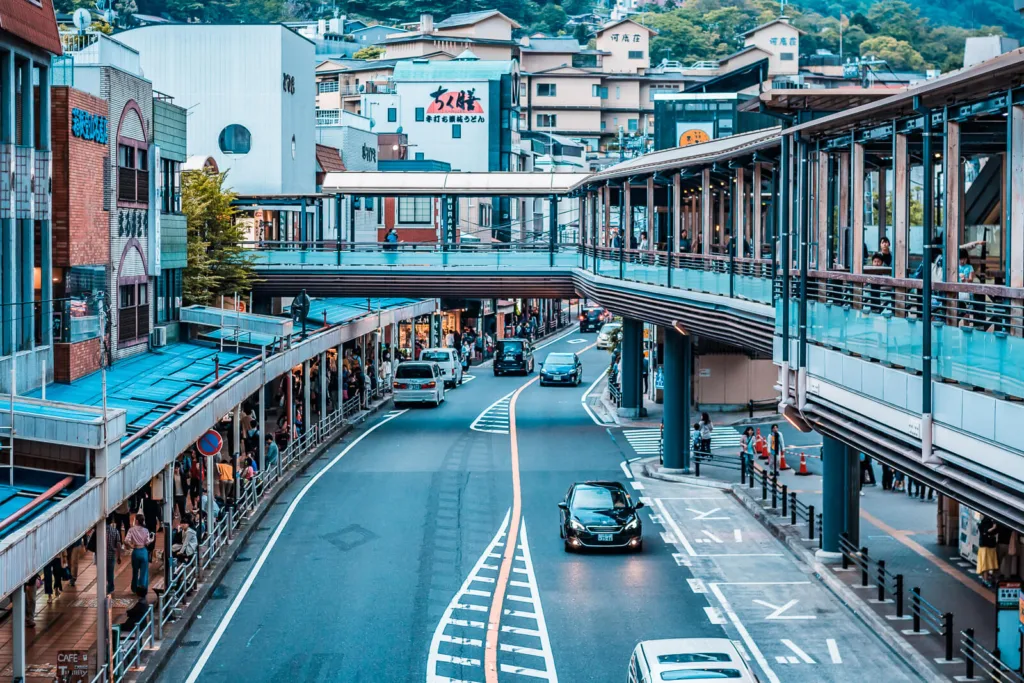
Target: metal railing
x,y
185,580
979,660
128,653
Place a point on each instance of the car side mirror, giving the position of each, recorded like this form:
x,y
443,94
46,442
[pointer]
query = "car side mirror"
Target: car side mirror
x,y
639,505
563,506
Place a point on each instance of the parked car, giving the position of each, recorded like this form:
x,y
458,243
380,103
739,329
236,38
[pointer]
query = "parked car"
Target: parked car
x,y
592,317
688,659
450,362
513,355
604,337
418,382
561,368
600,514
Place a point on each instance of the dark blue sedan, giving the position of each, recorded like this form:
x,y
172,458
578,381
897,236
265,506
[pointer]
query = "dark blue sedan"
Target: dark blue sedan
x,y
561,368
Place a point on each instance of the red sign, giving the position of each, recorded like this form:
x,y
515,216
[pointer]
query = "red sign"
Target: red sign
x,y
455,102
210,443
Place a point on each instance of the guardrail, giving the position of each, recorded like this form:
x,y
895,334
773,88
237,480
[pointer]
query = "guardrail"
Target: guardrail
x,y
128,652
978,659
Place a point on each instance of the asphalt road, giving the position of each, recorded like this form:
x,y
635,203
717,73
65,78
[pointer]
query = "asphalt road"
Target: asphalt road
x,y
388,566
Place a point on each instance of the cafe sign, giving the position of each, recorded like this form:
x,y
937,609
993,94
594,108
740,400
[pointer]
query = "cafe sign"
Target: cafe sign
x,y
454,106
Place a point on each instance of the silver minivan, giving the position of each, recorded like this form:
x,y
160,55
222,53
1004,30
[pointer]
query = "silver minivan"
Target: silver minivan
x,y
450,362
418,382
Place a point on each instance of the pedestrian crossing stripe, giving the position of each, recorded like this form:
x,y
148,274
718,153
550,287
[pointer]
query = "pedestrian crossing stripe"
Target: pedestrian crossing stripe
x,y
647,442
494,420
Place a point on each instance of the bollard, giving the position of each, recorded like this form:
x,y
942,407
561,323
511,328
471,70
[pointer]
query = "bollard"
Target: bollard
x,y
843,541
810,521
743,471
792,508
764,483
915,607
865,561
947,631
899,596
785,501
775,493
821,542
696,466
969,654
881,581
750,471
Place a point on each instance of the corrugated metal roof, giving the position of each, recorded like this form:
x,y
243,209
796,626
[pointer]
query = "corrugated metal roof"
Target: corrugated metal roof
x,y
376,183
470,18
565,45
489,70
681,157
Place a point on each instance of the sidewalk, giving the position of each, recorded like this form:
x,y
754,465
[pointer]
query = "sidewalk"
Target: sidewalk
x,y
69,622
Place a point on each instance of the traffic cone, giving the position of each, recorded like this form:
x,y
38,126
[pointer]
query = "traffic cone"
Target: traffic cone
x,y
803,465
760,446
782,461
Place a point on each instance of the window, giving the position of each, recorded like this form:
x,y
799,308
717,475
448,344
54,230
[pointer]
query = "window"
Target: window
x,y
126,296
170,183
546,89
419,113
604,125
618,92
327,86
368,204
632,125
392,115
485,215
598,91
636,54
456,131
786,56
132,174
133,312
414,209
547,120
235,139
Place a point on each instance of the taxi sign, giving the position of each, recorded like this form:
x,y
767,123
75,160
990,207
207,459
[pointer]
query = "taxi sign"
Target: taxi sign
x,y
210,443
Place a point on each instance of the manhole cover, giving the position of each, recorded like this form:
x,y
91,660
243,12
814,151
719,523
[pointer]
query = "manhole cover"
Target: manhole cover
x,y
190,643
219,593
350,537
242,559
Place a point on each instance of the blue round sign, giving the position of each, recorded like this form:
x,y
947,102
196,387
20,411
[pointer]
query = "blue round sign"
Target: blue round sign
x,y
210,443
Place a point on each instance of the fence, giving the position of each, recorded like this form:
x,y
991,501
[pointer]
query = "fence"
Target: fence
x,y
185,577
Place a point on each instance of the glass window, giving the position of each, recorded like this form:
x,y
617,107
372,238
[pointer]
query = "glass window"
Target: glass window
x,y
170,182
143,294
633,125
786,56
456,131
392,115
547,120
595,91
414,371
327,86
419,113
598,498
126,296
546,89
618,92
235,139
636,54
604,125
126,156
414,209
368,204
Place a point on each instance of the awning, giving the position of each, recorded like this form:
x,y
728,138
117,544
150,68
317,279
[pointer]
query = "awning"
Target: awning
x,y
434,183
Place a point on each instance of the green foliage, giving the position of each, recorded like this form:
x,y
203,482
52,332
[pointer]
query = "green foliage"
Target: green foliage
x,y
552,19
217,262
898,54
369,52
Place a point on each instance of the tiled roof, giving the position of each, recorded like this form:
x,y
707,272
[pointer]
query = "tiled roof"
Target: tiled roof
x,y
553,45
468,18
33,23
329,159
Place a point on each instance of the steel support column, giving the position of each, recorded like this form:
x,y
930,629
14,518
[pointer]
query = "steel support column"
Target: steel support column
x,y
632,364
102,613
552,228
834,457
18,633
677,372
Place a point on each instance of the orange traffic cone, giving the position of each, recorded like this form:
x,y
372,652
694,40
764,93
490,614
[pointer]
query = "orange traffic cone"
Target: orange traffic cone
x,y
803,466
782,462
759,445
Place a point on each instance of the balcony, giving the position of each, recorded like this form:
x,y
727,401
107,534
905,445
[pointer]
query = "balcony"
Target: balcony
x,y
328,117
94,48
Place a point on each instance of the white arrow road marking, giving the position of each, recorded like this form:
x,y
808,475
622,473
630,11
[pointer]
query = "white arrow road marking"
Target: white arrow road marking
x,y
779,612
576,341
833,651
710,535
755,651
705,515
625,470
797,651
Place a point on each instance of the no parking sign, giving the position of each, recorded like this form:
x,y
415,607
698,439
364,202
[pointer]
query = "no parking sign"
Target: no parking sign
x,y
210,443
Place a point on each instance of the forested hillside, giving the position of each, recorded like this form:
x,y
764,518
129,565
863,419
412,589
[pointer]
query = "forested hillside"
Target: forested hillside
x,y
909,34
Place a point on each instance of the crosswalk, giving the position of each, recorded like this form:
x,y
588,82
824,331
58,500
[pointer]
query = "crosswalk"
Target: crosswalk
x,y
647,442
494,420
524,649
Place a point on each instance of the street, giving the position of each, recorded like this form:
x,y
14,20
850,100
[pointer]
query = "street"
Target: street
x,y
388,560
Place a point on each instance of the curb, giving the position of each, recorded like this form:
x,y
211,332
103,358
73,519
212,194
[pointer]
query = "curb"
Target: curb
x,y
652,469
913,659
160,657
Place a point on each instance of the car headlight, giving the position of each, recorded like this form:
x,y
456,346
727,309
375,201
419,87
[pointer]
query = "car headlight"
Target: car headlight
x,y
633,523
573,524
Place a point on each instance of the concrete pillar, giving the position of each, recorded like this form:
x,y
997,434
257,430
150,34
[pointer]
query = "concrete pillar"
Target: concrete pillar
x,y
305,396
705,211
857,200
952,213
236,449
261,415
339,395
840,494
18,633
168,519
102,622
323,385
46,224
26,226
676,370
632,364
901,209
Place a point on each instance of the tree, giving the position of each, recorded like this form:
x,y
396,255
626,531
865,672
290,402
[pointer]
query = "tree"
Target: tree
x,y
679,38
217,262
552,18
899,54
369,52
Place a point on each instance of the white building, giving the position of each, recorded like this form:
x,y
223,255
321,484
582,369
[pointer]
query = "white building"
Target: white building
x,y
250,95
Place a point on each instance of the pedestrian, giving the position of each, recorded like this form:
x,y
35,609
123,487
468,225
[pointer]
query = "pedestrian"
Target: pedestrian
x,y
196,479
646,371
898,481
867,472
180,489
643,241
31,586
617,239
53,578
747,447
887,473
684,243
695,439
113,552
74,555
138,538
449,339
272,452
122,516
184,551
391,240
225,478
988,560
706,427
776,446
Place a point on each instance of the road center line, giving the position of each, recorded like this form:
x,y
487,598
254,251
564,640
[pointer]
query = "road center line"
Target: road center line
x,y
197,669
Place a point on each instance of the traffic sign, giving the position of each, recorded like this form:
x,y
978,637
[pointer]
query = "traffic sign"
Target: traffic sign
x,y
210,443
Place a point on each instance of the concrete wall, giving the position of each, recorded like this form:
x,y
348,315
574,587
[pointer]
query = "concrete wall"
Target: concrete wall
x,y
778,32
730,380
614,40
170,131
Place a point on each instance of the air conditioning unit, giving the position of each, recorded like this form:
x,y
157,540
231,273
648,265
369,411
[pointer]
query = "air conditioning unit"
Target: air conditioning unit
x,y
158,337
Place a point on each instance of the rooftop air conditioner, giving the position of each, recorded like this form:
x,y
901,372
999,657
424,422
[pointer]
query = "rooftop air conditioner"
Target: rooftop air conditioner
x,y
158,337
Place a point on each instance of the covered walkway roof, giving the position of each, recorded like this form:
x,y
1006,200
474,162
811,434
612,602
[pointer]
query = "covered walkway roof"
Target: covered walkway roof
x,y
435,183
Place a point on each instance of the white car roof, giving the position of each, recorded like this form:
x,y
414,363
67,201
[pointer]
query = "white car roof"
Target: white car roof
x,y
437,348
652,649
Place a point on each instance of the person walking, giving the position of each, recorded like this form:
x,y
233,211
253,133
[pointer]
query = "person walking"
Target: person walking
x,y
196,479
706,427
30,600
53,578
988,559
113,550
776,446
180,489
272,452
747,448
867,472
138,539
74,555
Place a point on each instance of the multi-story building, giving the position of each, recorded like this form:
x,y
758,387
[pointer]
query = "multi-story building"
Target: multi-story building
x,y
353,141
488,34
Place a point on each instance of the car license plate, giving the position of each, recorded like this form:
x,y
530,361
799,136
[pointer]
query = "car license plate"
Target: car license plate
x,y
510,356
556,377
604,538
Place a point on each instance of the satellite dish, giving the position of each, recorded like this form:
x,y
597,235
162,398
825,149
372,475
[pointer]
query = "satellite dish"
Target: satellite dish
x,y
82,18
398,130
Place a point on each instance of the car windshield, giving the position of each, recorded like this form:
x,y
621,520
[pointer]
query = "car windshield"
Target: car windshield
x,y
559,359
510,347
593,313
440,356
700,674
598,498
414,372
694,658
607,329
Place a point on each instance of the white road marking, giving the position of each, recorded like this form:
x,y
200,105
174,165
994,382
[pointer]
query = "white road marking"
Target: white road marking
x,y
586,395
714,539
538,610
625,470
458,640
703,515
714,616
647,441
797,651
737,535
434,655
520,650
680,559
576,341
460,661
778,612
656,519
225,621
637,485
833,651
524,671
494,418
697,585
556,339
744,634
521,631
668,537
675,527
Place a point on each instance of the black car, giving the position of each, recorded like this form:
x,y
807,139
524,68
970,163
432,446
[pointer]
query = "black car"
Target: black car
x,y
600,514
561,368
591,318
513,355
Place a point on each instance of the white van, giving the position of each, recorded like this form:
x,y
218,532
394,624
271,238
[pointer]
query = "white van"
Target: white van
x,y
418,382
688,659
450,362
